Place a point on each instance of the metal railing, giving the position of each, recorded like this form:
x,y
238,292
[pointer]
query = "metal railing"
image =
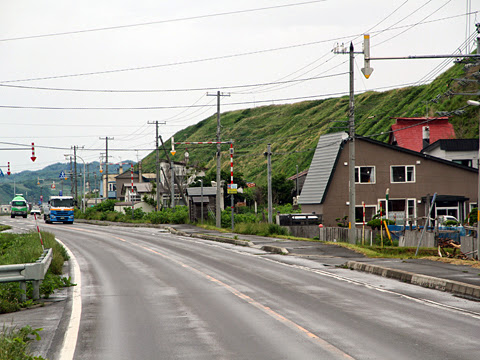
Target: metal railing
x,y
22,273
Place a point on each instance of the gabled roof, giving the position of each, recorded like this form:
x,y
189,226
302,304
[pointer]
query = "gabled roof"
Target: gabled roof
x,y
321,168
408,132
325,159
197,191
454,145
300,174
142,188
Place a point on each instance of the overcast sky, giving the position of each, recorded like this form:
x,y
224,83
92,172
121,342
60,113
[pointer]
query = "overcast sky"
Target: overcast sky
x,y
170,54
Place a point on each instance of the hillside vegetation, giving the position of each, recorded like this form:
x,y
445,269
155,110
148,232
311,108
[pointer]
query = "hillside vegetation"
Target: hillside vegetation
x,y
293,130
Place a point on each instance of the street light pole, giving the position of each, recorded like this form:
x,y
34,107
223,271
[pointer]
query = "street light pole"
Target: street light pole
x,y
477,103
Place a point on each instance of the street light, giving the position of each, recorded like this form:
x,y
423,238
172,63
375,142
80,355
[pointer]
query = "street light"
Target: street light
x,y
83,200
477,103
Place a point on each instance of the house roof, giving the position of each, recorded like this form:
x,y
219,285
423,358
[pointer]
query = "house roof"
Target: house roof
x,y
142,188
408,132
197,191
454,145
300,174
325,159
321,168
417,153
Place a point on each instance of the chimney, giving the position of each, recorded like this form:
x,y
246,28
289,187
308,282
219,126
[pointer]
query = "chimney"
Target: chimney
x,y
426,136
139,171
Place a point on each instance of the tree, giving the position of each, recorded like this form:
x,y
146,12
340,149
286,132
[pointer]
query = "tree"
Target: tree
x,y
282,189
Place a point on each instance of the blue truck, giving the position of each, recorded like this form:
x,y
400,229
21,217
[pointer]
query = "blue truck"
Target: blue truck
x,y
59,209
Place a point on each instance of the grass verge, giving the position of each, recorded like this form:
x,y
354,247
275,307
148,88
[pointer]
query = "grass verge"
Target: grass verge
x,y
14,343
26,248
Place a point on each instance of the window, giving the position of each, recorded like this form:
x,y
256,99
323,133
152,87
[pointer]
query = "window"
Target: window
x,y
370,211
399,174
364,174
466,162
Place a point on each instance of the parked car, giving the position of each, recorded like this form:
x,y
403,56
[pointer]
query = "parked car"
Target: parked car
x,y
444,219
35,212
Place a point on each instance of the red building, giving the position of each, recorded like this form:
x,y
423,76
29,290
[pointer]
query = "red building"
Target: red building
x,y
417,133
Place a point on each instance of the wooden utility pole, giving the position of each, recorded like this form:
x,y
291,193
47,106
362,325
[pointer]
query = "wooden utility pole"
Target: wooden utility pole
x,y
218,213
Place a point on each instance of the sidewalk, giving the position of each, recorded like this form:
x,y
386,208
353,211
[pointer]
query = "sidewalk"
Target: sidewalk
x,y
458,279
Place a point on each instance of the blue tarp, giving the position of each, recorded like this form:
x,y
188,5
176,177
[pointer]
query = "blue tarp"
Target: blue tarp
x,y
396,230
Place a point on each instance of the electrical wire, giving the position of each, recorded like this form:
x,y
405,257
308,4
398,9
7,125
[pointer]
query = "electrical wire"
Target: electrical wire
x,y
222,57
161,21
318,96
170,90
421,21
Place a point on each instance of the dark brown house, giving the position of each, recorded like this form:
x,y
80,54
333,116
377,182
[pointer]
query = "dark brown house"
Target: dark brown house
x,y
411,178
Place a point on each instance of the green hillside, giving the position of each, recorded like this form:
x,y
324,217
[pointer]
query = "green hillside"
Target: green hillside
x,y
27,182
293,130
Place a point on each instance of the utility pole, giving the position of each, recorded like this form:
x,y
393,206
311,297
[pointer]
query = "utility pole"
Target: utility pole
x,y
106,165
367,71
71,177
75,172
174,175
218,212
269,183
351,153
157,164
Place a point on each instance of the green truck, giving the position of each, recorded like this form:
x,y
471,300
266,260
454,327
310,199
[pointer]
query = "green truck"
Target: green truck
x,y
19,206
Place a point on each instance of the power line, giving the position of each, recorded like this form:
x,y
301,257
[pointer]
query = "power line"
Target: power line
x,y
318,96
222,57
169,90
160,21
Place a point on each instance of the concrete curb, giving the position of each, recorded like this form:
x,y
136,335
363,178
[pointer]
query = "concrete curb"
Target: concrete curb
x,y
455,287
275,249
267,248
212,237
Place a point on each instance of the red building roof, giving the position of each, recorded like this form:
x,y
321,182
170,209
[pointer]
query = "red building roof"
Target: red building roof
x,y
409,132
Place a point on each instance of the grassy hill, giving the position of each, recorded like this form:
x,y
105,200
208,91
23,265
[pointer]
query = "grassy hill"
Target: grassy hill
x,y
293,130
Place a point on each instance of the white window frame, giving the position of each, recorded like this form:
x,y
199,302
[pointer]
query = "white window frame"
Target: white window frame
x,y
357,172
406,181
472,206
366,206
414,215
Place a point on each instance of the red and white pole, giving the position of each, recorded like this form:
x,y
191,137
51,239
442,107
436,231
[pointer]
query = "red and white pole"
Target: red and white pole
x,y
231,163
131,191
39,233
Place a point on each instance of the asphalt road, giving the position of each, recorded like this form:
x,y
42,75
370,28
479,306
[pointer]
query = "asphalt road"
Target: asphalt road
x,y
148,294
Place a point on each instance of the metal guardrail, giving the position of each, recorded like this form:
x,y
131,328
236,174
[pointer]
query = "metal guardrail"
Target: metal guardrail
x,y
22,273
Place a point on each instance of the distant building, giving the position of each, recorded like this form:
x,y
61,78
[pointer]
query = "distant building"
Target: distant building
x,y
416,133
460,151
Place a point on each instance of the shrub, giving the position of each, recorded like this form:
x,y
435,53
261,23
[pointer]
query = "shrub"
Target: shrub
x,y
179,215
14,343
375,223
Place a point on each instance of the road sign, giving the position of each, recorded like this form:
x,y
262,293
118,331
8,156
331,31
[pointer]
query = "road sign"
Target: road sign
x,y
367,70
62,175
231,188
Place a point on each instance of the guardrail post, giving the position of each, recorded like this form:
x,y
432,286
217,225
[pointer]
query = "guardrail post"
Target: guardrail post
x,y
36,289
23,288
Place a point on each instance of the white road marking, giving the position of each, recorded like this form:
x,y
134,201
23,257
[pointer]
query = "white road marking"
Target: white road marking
x,y
71,335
